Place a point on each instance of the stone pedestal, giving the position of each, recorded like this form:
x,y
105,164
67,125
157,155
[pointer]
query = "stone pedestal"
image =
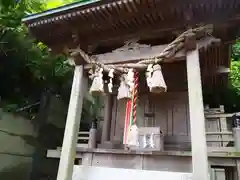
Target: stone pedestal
x,y
151,138
92,143
236,136
111,145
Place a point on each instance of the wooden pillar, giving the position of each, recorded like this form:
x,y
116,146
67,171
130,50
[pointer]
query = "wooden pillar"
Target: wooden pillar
x,y
107,118
197,120
66,164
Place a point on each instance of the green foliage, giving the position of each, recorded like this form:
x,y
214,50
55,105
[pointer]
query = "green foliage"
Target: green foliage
x,y
236,51
26,68
92,107
56,3
231,96
235,75
49,4
235,67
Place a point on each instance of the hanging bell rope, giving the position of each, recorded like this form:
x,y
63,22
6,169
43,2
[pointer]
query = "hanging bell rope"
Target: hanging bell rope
x,y
133,129
135,96
130,79
130,128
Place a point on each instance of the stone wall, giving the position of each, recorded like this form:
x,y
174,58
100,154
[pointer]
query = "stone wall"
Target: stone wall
x,y
16,150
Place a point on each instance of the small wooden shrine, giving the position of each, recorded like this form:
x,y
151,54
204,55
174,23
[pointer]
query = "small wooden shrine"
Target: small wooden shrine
x,y
151,60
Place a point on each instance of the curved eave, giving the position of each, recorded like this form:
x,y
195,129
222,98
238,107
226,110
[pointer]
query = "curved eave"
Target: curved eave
x,y
98,22
59,10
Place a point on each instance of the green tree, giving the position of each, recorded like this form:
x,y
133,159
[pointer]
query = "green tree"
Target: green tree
x,y
230,96
27,68
30,74
235,67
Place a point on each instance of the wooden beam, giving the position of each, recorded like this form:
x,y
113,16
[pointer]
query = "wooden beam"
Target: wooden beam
x,y
220,133
138,52
218,115
197,120
55,153
133,54
214,71
220,149
68,153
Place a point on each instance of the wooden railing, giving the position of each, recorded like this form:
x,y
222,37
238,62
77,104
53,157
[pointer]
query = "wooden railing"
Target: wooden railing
x,y
219,132
83,138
